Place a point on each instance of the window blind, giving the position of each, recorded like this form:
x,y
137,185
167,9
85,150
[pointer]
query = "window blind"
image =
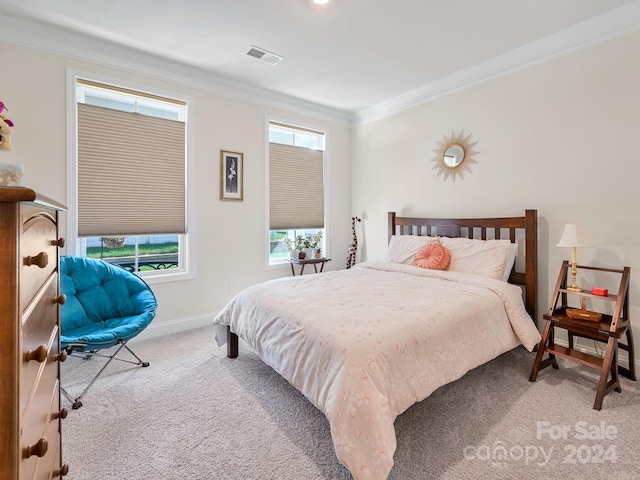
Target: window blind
x,y
296,189
131,173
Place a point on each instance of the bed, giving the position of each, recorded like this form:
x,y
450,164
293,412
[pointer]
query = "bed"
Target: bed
x,y
364,344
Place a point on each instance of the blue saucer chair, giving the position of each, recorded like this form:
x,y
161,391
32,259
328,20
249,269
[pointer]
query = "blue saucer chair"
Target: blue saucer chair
x,y
105,307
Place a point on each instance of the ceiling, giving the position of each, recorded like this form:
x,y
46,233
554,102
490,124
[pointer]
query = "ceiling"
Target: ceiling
x,y
348,55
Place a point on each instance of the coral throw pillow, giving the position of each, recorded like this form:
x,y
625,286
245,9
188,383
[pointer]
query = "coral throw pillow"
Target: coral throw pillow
x,y
432,256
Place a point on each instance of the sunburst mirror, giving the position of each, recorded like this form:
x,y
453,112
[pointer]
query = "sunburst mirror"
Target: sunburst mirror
x,y
454,155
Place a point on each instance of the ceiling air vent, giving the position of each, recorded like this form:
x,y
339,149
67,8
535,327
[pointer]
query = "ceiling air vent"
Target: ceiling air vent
x,y
262,54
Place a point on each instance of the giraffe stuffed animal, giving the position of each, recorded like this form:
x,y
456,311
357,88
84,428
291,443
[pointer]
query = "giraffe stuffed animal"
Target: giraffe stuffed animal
x,y
353,248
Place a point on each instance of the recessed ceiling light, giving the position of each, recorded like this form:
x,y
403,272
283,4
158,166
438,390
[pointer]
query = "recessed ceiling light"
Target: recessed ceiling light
x,y
320,2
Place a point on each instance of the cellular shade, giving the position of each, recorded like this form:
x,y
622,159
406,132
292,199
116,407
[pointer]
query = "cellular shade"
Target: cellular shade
x,y
131,173
296,189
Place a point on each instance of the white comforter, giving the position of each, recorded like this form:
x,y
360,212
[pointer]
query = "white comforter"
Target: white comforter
x,y
365,344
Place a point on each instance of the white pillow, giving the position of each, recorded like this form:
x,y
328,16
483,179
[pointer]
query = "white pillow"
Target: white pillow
x,y
488,258
511,259
402,248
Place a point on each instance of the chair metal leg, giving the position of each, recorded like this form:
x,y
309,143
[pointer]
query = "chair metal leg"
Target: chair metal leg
x,y
140,361
77,401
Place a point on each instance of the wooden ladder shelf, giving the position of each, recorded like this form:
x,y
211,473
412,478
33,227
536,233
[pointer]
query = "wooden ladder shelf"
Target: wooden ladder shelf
x,y
609,329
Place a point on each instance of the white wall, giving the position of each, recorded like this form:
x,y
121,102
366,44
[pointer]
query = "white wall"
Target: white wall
x,y
562,137
230,237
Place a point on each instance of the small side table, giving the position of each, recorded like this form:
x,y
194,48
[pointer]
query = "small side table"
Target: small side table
x,y
308,261
609,329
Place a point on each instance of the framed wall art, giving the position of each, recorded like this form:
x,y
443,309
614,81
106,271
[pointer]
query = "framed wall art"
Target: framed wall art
x,y
231,173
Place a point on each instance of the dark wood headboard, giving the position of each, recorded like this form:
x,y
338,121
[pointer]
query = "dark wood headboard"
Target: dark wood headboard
x,y
477,228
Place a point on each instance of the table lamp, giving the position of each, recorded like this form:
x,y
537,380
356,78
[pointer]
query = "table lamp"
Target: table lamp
x,y
572,237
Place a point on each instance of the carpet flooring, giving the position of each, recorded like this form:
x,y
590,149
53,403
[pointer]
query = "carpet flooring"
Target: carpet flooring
x,y
194,414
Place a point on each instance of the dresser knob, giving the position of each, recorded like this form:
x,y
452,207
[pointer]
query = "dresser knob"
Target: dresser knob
x,y
39,354
61,414
61,472
41,260
61,300
39,449
61,357
58,243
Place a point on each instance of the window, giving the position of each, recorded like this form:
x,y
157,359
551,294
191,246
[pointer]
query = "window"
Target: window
x,y
131,180
296,186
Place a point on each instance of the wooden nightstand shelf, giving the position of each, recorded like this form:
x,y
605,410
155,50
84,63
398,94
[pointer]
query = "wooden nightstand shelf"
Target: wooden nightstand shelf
x,y
308,261
610,329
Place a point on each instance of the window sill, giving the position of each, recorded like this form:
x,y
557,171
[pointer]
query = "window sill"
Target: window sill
x,y
168,277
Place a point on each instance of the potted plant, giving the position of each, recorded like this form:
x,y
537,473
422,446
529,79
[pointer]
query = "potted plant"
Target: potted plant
x,y
304,246
312,244
290,245
300,246
295,246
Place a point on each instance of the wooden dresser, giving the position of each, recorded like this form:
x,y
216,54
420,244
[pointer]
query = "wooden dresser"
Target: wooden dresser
x,y
30,356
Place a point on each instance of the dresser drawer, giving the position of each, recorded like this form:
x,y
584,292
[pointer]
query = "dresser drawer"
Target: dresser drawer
x,y
51,461
42,464
36,403
39,343
38,252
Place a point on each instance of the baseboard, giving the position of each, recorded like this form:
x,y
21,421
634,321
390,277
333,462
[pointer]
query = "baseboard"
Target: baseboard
x,y
165,328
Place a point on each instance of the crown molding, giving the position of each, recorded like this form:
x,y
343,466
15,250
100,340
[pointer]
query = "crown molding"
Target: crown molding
x,y
59,41
612,24
63,42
